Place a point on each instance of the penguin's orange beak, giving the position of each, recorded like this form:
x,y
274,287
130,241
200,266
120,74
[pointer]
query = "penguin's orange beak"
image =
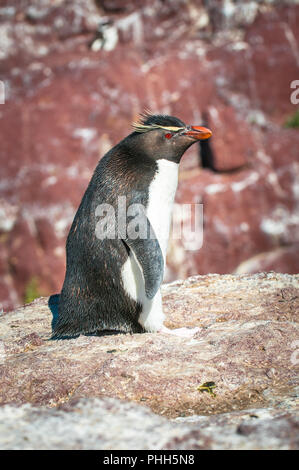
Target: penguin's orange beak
x,y
199,133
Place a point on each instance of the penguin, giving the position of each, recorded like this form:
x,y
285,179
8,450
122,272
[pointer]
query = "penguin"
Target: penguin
x,y
115,265
106,36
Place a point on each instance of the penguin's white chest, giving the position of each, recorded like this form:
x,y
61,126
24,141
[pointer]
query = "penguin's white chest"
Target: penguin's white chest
x,y
159,211
160,200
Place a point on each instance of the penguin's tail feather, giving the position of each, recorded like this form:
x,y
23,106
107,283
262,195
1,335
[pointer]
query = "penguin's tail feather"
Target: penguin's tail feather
x,y
63,331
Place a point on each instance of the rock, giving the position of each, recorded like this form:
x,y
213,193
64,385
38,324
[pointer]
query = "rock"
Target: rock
x,y
262,428
92,424
108,423
228,152
247,345
246,67
283,259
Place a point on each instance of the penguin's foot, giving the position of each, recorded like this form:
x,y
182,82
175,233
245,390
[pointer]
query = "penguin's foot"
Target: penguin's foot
x,y
182,332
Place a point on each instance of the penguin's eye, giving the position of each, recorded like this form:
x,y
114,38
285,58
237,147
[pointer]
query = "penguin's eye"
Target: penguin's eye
x,y
168,136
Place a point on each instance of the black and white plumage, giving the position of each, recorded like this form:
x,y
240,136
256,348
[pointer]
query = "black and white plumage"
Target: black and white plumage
x,y
114,284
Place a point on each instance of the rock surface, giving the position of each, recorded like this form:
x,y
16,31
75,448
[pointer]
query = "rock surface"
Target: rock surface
x,y
247,345
107,424
66,104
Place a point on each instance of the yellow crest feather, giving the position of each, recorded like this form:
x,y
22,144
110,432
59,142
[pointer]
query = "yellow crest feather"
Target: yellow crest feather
x,y
139,125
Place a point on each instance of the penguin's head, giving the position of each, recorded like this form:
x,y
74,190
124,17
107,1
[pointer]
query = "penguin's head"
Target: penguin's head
x,y
166,137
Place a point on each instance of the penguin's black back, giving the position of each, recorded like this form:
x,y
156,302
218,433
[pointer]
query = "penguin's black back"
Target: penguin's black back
x,y
92,297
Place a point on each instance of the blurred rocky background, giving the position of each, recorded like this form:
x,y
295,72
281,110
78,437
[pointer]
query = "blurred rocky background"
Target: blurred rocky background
x,y
77,72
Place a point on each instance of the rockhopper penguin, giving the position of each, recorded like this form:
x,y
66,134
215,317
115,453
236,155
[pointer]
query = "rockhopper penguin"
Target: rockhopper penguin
x,y
113,281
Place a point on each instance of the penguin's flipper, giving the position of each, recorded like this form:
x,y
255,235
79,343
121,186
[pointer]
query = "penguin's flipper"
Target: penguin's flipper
x,y
148,254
